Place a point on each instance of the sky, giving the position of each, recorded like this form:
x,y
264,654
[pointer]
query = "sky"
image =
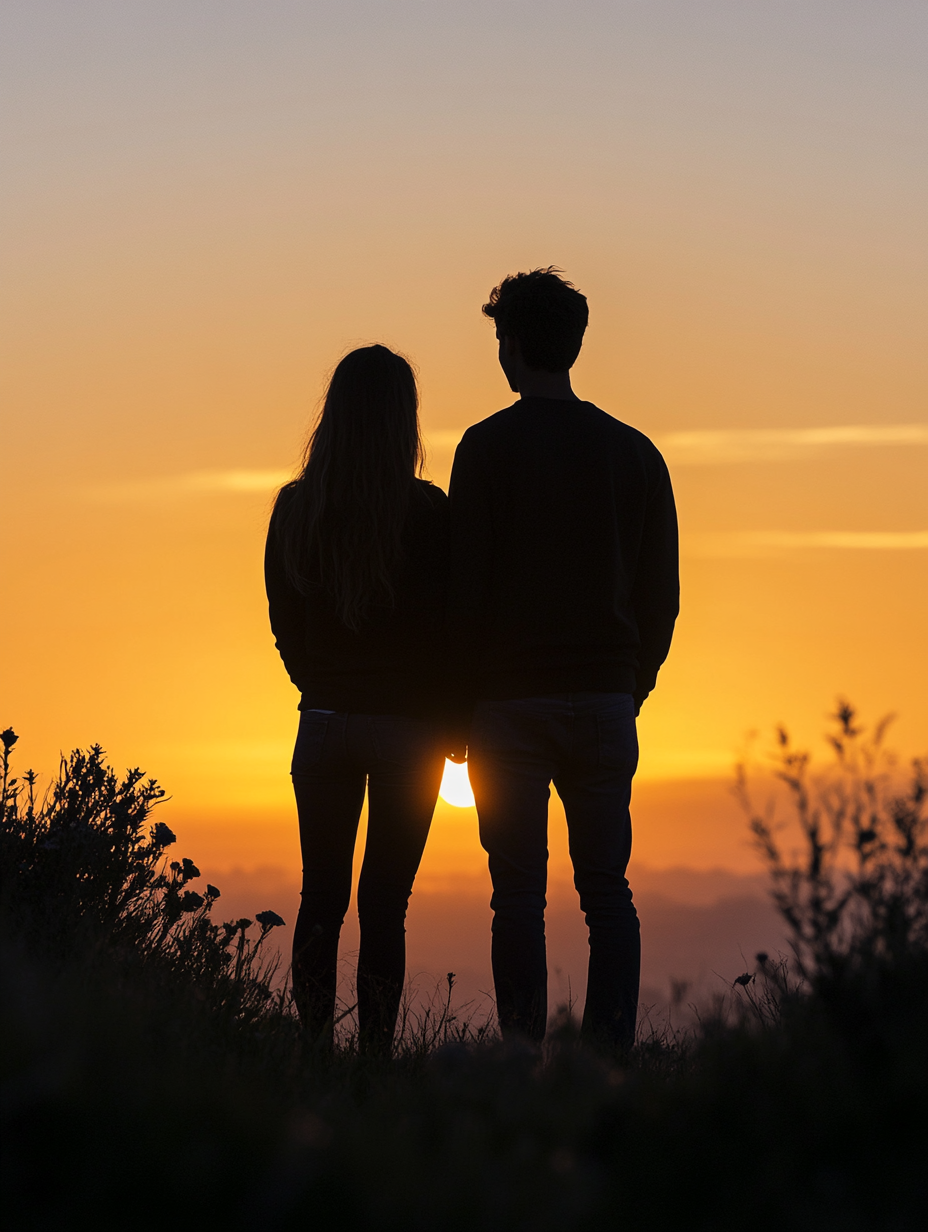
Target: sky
x,y
206,204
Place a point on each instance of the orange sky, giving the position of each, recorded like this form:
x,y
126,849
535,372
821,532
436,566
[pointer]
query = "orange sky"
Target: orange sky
x,y
207,204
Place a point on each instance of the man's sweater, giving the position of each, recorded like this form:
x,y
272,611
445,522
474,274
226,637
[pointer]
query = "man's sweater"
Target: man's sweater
x,y
564,569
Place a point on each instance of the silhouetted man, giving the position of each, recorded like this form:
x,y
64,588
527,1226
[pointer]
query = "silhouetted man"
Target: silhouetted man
x,y
563,599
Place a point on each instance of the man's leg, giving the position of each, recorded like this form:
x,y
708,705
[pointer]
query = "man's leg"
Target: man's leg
x,y
595,787
510,773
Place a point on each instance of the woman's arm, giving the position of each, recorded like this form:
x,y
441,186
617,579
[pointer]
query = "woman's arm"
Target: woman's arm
x,y
286,608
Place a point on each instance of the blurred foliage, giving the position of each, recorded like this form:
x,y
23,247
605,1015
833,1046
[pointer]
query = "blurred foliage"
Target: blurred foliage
x,y
796,1104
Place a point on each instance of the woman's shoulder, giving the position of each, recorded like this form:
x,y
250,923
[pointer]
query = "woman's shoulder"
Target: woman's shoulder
x,y
283,502
431,494
285,496
288,491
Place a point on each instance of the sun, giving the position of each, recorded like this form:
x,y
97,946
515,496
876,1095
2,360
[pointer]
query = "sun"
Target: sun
x,y
455,786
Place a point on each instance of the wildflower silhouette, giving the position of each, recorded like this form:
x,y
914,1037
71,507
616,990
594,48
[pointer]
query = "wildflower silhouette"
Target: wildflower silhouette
x,y
88,863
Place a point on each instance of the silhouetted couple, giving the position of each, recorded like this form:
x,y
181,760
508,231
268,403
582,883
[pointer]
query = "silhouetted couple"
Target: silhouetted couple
x,y
522,622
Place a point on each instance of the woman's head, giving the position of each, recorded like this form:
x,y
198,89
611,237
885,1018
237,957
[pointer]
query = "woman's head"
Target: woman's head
x,y
342,520
370,414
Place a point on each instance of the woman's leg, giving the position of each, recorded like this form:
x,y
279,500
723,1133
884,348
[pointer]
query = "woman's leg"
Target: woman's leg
x,y
329,795
405,774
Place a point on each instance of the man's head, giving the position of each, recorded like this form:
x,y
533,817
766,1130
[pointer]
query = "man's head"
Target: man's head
x,y
543,314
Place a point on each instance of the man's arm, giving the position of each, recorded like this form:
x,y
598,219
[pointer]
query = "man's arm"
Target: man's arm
x,y
656,592
469,580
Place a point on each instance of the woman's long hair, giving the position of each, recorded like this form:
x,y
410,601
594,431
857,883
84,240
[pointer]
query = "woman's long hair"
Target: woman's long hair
x,y
341,520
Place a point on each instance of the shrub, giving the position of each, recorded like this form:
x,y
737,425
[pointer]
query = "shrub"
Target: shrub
x,y
856,900
84,870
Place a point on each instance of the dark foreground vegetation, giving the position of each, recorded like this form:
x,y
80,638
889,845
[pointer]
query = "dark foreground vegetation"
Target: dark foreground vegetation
x,y
152,1075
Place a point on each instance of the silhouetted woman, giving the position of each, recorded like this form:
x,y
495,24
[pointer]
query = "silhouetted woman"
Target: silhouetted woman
x,y
355,571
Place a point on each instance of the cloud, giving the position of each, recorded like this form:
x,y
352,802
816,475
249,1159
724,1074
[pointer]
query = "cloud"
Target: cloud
x,y
724,446
734,544
698,448
732,445
193,483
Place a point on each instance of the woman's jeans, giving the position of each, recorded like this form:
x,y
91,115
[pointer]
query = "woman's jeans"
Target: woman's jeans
x,y
587,745
400,760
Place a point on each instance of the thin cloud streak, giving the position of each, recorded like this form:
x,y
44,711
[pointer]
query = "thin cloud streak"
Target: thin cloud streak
x,y
748,544
698,448
728,446
724,446
193,483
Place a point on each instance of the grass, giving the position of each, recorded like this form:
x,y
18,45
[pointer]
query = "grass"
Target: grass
x,y
151,1073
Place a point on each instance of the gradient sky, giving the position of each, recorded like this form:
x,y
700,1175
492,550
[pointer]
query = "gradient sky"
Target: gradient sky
x,y
206,203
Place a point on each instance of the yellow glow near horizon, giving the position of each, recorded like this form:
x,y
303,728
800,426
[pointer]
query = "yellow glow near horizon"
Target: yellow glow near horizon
x,y
455,786
209,210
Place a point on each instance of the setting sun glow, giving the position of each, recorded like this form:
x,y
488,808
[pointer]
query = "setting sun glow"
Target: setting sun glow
x,y
455,786
209,204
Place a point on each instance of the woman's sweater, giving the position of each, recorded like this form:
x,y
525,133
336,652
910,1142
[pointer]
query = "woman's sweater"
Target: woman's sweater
x,y
393,664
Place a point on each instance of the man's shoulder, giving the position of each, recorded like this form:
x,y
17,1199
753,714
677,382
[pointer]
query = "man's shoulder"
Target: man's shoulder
x,y
483,442
614,432
493,425
525,416
633,438
597,427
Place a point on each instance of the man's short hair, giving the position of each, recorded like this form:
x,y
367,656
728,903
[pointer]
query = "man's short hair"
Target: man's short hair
x,y
545,313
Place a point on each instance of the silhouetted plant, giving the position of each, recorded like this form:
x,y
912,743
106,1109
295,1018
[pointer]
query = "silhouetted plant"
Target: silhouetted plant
x,y
804,1112
856,899
84,867
427,1023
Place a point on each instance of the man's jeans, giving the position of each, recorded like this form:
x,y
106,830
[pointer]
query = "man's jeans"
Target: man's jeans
x,y
587,745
